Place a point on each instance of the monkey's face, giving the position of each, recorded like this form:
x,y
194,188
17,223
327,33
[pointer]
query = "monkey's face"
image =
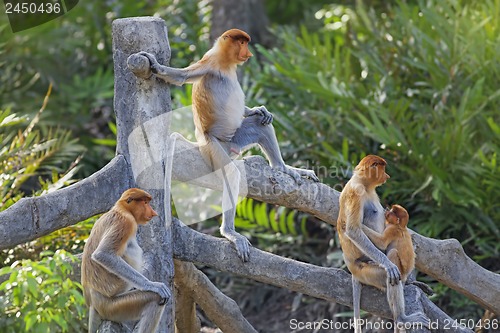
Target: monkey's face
x,y
243,53
397,215
236,43
378,174
372,169
375,174
144,211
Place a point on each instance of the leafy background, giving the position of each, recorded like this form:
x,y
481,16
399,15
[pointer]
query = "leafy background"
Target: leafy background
x,y
416,82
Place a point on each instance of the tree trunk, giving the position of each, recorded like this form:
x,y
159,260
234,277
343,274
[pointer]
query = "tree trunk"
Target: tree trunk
x,y
139,105
247,15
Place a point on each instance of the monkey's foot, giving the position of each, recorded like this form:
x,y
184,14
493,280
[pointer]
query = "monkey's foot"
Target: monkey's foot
x,y
417,318
308,174
423,286
240,242
297,174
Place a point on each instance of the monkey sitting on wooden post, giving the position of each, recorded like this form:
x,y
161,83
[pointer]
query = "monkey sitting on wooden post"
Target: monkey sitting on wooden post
x,y
113,285
224,125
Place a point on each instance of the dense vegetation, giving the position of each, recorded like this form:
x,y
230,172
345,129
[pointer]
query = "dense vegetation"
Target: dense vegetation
x,y
416,82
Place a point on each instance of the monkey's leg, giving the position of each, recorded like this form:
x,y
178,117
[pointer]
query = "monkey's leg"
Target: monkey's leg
x,y
150,318
94,320
129,306
372,274
231,178
356,298
394,257
395,297
252,132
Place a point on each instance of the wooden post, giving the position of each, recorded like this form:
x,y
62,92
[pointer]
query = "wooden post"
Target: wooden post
x,y
141,108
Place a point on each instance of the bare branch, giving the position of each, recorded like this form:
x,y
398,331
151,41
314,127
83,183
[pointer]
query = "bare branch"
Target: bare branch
x,y
443,260
31,218
220,309
331,284
446,261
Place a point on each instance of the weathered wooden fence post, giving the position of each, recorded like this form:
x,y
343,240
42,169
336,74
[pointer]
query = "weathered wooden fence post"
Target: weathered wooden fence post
x,y
141,108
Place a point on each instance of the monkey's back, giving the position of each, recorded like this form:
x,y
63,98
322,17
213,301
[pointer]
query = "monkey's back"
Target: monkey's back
x,y
404,245
218,105
94,276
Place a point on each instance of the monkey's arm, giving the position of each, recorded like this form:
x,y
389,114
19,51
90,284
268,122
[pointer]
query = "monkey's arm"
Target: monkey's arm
x,y
380,240
355,233
267,117
177,76
107,256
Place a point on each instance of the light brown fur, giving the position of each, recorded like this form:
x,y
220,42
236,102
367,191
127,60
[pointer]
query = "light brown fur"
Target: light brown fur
x,y
370,173
225,126
396,240
360,209
111,266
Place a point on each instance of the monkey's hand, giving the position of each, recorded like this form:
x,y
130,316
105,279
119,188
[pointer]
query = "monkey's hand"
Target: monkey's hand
x,y
393,274
153,63
267,117
161,289
170,75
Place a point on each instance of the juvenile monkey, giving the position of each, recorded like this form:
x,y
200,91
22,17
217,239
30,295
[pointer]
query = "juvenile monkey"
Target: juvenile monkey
x,y
113,285
395,240
224,125
360,205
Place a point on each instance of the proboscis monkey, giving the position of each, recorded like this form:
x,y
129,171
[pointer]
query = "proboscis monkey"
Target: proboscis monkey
x,y
224,125
360,205
395,240
113,285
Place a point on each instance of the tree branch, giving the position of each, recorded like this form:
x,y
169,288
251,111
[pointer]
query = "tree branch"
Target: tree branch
x,y
31,218
444,260
331,284
220,309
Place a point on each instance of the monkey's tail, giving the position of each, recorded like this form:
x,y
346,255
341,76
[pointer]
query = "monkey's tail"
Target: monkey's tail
x,y
167,180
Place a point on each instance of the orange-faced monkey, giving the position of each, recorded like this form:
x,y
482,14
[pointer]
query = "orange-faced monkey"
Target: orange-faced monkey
x,y
395,240
360,205
113,285
224,125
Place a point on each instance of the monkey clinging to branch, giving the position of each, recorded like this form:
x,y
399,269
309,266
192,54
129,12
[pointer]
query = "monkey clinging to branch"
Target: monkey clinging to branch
x,y
224,125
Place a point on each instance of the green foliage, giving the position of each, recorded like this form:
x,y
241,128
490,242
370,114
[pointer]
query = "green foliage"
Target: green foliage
x,y
40,297
74,53
416,84
71,238
285,231
29,153
251,214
